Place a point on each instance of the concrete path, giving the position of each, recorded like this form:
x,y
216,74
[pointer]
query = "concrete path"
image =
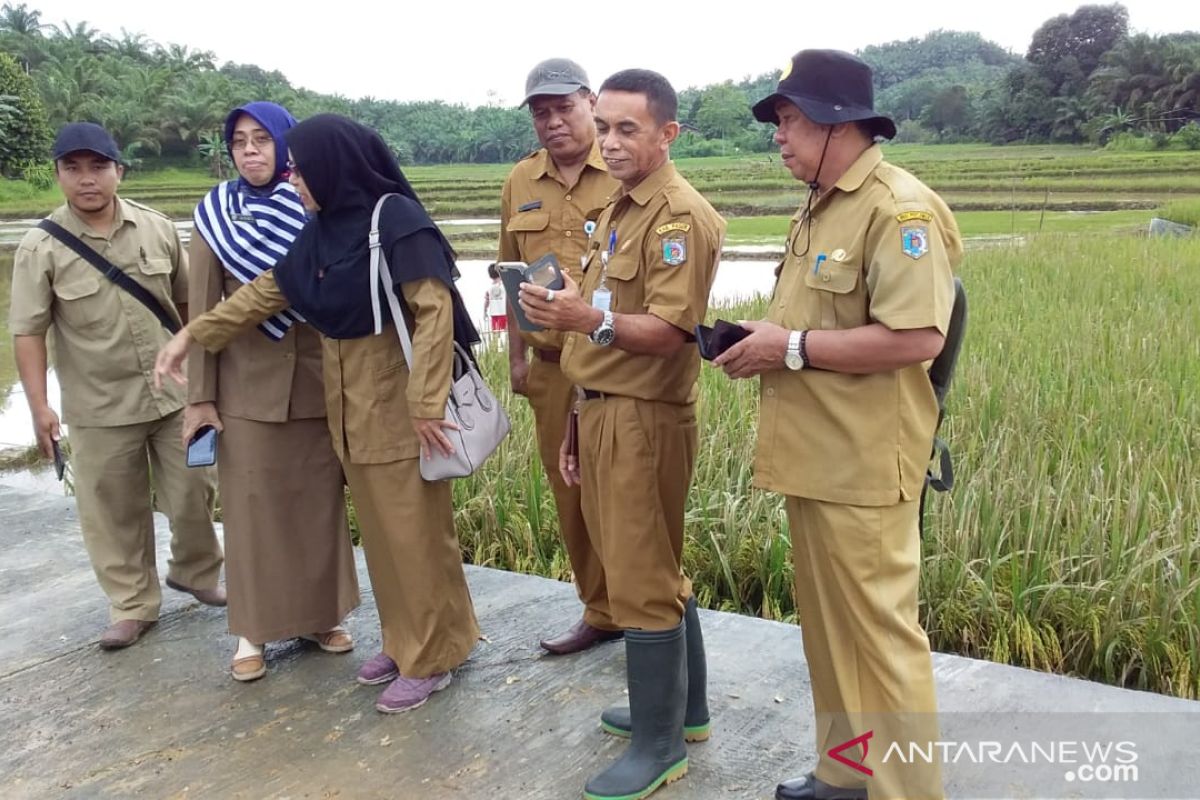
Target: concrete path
x,y
163,720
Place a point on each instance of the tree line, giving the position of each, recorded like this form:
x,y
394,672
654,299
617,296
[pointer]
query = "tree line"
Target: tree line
x,y
1084,78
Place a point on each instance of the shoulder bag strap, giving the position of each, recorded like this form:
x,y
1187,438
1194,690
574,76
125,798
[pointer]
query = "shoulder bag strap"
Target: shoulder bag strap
x,y
112,272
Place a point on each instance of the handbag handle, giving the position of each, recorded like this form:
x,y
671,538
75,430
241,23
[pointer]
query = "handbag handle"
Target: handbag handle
x,y
379,269
381,273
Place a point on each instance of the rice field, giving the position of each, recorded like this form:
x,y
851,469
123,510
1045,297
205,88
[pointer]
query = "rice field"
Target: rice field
x,y
1071,542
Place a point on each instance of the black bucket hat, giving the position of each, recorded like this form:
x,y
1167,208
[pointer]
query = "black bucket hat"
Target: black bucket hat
x,y
829,86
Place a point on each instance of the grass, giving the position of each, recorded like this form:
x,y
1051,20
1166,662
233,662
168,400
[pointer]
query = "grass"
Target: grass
x,y
1071,542
972,177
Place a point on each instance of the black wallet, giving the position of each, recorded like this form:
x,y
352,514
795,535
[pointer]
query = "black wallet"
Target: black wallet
x,y
719,338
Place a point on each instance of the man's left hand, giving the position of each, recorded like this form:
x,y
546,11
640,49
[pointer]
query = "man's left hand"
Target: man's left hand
x,y
565,311
762,351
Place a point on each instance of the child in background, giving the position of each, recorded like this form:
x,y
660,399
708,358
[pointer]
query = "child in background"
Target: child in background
x,y
495,303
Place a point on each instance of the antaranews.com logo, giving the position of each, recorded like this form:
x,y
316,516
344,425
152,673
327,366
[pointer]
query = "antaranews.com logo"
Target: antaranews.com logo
x,y
1082,761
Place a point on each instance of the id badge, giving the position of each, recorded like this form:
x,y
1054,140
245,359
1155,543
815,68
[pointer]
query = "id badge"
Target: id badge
x,y
602,299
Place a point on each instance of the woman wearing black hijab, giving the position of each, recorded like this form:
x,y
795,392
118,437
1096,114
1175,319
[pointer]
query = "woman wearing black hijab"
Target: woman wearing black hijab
x,y
383,414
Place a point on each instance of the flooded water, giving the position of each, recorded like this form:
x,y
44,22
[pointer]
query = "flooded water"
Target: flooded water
x,y
735,280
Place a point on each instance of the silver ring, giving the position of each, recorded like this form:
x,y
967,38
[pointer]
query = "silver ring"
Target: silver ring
x,y
549,295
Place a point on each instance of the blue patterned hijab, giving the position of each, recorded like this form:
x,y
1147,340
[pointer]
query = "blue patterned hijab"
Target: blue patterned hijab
x,y
250,228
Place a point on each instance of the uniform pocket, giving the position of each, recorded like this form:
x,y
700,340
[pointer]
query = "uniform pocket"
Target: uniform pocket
x,y
838,301
619,277
79,302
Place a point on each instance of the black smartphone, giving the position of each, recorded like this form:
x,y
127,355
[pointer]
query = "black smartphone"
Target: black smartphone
x,y
60,463
202,449
544,272
719,338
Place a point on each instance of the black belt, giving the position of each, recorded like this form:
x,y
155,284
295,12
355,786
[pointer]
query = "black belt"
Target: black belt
x,y
592,394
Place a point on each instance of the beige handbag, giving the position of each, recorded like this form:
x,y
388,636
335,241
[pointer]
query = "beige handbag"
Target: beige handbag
x,y
482,423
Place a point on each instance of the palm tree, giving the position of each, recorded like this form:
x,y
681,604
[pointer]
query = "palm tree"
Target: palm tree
x,y
20,20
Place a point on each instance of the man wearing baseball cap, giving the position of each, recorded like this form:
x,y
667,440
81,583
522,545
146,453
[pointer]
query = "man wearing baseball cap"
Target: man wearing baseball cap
x,y
848,414
122,428
549,204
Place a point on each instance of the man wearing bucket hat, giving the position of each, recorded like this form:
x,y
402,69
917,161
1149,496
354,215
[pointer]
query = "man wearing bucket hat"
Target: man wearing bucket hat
x,y
126,435
549,204
862,303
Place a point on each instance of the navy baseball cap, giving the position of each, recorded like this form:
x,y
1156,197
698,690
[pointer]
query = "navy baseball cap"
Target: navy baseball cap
x,y
75,136
829,86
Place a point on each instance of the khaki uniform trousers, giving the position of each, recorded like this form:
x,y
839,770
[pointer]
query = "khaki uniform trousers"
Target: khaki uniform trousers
x,y
551,396
415,564
113,468
857,570
636,460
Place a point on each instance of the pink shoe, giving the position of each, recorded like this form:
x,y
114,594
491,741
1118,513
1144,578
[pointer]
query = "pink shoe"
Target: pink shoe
x,y
377,669
405,694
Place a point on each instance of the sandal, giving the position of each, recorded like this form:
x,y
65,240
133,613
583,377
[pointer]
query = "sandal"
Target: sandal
x,y
248,668
334,640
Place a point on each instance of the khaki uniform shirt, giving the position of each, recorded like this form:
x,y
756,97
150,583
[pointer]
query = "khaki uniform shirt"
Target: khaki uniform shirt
x,y
370,395
668,243
255,377
540,214
883,249
105,341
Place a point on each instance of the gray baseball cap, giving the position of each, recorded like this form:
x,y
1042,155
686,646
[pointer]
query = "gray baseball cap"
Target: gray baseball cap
x,y
555,76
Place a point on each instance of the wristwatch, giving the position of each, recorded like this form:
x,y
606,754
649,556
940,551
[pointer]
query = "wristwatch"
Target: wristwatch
x,y
605,332
796,357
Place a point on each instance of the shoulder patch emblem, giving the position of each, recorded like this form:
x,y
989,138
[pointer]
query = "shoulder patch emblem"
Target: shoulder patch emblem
x,y
674,249
909,216
914,240
673,226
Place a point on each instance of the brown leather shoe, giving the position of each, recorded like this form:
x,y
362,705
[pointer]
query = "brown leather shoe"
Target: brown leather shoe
x,y
123,633
579,637
210,597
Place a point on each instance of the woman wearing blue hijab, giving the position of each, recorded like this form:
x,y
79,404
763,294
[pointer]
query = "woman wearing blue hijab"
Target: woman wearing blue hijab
x,y
289,568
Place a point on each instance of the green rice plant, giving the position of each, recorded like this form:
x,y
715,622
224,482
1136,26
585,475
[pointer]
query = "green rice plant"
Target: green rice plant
x,y
1072,540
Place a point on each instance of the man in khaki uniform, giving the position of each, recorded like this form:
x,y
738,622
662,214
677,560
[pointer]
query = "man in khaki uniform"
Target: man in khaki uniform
x,y
122,428
649,268
550,203
861,306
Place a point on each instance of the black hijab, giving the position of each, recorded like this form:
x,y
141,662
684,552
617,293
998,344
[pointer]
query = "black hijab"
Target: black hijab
x,y
347,167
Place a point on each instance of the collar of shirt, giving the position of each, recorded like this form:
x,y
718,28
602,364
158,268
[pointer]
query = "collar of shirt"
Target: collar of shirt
x,y
652,184
77,226
851,181
546,166
853,178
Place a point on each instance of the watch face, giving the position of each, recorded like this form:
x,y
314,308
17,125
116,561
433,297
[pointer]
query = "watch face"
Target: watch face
x,y
605,336
793,361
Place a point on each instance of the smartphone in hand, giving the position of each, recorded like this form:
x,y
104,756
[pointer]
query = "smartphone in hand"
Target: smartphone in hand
x,y
719,338
60,463
202,449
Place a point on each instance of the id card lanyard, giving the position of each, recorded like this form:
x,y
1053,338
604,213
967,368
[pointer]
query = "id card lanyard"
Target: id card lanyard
x,y
602,297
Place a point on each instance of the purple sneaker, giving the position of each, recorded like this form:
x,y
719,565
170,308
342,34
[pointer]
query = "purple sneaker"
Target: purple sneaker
x,y
405,694
377,669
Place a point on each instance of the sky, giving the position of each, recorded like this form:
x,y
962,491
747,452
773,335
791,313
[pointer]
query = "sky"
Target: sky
x,y
477,52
